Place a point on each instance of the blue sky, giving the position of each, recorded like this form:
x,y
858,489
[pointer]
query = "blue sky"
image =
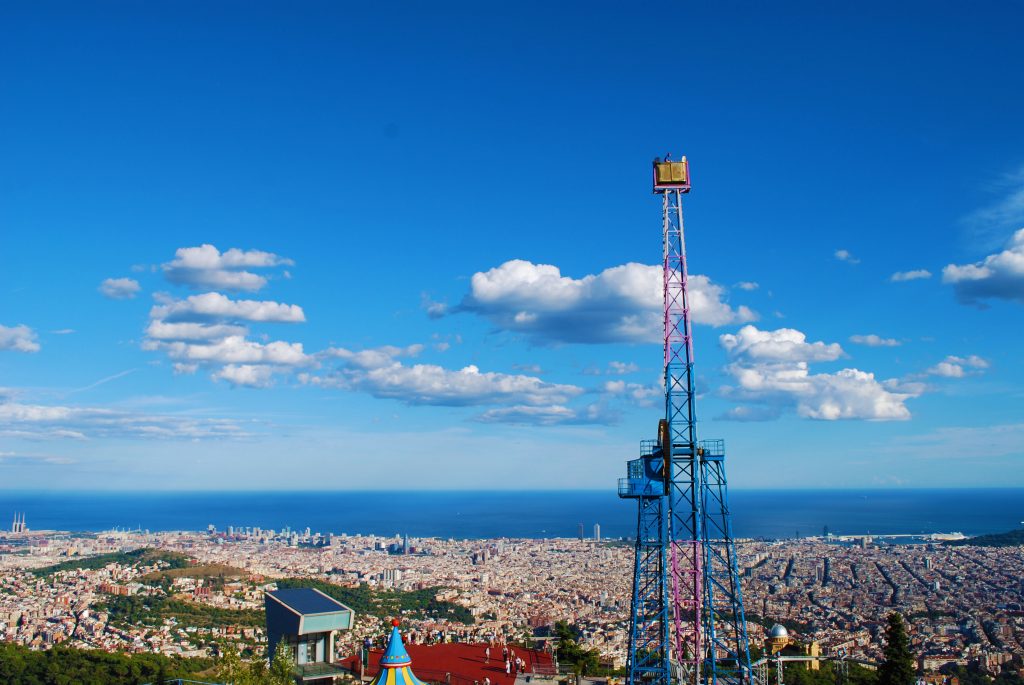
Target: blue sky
x,y
327,245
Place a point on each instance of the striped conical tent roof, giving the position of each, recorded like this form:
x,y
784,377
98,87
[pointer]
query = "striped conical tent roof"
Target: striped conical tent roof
x,y
395,664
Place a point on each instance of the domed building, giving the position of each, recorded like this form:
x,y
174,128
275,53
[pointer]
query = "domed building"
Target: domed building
x,y
778,638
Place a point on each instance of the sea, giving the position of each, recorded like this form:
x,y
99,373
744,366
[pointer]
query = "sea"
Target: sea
x,y
771,514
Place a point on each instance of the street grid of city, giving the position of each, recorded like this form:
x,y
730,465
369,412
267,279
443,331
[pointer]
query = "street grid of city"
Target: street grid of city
x,y
962,603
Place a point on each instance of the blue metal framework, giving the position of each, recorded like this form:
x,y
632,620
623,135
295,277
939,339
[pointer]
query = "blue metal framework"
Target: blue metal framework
x,y
649,618
687,622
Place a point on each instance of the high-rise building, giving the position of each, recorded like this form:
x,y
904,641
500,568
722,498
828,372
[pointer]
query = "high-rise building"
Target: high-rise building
x,y
581,530
597,532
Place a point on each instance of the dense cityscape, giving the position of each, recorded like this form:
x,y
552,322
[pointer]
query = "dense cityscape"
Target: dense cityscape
x,y
963,604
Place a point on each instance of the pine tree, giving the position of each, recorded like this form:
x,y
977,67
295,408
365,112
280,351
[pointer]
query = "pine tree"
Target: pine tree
x,y
898,664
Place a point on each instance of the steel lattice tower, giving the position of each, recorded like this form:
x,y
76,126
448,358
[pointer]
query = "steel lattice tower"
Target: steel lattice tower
x,y
687,623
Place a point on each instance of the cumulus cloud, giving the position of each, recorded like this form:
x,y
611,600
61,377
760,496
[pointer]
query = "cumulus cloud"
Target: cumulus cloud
x,y
783,344
748,285
914,275
161,330
206,267
19,338
958,367
211,330
620,304
771,368
248,375
997,276
48,422
846,256
872,340
120,288
234,349
215,306
436,385
375,357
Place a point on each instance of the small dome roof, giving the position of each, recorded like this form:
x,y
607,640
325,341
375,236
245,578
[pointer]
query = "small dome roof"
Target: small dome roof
x,y
778,630
395,663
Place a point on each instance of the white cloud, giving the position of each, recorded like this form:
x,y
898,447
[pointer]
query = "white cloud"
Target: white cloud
x,y
374,357
16,457
120,288
63,331
914,275
622,368
234,349
620,304
210,330
249,375
783,344
846,256
47,422
379,372
751,413
215,306
552,415
999,275
748,285
431,384
19,338
644,395
206,267
872,340
771,368
958,367
160,330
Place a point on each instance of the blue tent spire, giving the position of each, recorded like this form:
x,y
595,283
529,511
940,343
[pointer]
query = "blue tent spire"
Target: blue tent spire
x,y
395,655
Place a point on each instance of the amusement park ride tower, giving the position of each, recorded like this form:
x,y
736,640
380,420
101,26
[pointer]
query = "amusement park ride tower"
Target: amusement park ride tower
x,y
687,623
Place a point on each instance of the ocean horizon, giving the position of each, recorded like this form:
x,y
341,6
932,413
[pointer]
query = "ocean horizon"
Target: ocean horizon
x,y
519,514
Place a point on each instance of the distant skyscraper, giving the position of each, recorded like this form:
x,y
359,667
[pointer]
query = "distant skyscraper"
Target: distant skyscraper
x,y
597,532
581,530
405,544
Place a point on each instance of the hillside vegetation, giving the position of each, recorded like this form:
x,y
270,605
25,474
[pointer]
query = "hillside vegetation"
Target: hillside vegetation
x,y
386,604
145,556
1011,538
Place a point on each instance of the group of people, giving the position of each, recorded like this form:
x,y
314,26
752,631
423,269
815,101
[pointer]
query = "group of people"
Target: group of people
x,y
514,665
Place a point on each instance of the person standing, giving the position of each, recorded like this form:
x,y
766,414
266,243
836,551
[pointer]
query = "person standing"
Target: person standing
x,y
508,667
487,654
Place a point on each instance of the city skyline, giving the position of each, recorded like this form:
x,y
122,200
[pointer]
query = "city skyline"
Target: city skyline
x,y
260,251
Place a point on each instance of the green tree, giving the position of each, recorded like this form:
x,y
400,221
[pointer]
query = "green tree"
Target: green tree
x,y
231,669
898,663
280,672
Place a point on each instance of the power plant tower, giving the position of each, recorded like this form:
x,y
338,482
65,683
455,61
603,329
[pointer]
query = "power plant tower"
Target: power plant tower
x,y
687,623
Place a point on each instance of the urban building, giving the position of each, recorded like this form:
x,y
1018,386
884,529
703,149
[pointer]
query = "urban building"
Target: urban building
x,y
306,622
